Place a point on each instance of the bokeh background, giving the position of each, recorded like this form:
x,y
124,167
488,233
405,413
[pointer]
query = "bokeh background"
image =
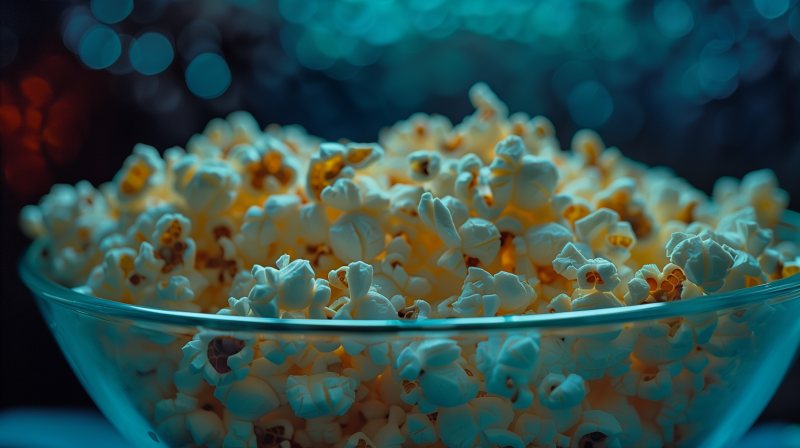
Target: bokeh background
x,y
708,88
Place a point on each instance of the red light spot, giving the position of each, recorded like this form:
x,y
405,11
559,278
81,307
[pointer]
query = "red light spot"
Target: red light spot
x,y
36,90
26,173
10,119
33,119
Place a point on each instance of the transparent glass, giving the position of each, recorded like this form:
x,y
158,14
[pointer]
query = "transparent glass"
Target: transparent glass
x,y
690,373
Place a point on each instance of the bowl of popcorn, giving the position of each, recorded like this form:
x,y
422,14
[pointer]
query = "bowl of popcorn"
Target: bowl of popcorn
x,y
449,286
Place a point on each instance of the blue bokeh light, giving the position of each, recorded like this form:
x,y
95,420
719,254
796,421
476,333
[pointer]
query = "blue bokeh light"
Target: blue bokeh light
x,y
111,11
590,104
208,76
297,11
99,47
673,18
794,23
151,53
771,9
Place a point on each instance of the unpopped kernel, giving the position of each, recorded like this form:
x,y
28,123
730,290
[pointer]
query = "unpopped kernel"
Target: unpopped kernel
x,y
489,217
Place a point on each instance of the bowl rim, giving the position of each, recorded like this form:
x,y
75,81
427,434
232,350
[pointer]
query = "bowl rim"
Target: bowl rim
x,y
39,284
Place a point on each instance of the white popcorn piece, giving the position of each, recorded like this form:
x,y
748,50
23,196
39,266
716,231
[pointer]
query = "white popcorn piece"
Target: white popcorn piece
x,y
705,263
423,166
262,225
213,188
597,428
745,271
249,399
437,216
266,166
364,301
343,195
141,174
356,236
485,294
525,180
180,422
328,165
322,394
595,273
240,435
222,357
507,365
557,392
480,240
175,290
421,429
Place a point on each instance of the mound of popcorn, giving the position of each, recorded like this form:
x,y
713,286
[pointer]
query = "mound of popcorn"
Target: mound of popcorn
x,y
489,217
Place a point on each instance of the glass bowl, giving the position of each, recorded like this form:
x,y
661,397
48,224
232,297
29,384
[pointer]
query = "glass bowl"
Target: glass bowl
x,y
690,373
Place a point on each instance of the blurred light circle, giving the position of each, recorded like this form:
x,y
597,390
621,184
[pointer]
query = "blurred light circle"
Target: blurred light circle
x,y
9,45
553,18
111,11
424,5
208,76
354,18
590,104
673,18
616,40
771,9
718,89
717,63
794,23
310,55
99,47
77,20
390,26
297,11
357,52
151,53
570,75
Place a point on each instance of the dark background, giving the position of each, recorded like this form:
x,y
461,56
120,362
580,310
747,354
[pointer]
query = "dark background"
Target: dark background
x,y
758,126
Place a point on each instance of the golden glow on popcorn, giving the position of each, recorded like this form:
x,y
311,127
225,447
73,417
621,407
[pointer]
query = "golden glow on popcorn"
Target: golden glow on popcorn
x,y
323,174
620,240
136,179
575,212
271,165
487,218
453,142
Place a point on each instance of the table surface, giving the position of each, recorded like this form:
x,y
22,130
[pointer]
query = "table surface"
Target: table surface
x,y
82,428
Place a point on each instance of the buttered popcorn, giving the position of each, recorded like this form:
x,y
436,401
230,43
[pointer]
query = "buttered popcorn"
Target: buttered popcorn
x,y
486,218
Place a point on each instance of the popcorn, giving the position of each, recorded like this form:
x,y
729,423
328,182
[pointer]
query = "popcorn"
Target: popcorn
x,y
424,166
507,365
596,273
322,394
356,236
489,295
180,422
557,392
213,188
142,172
266,166
222,357
705,263
485,218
